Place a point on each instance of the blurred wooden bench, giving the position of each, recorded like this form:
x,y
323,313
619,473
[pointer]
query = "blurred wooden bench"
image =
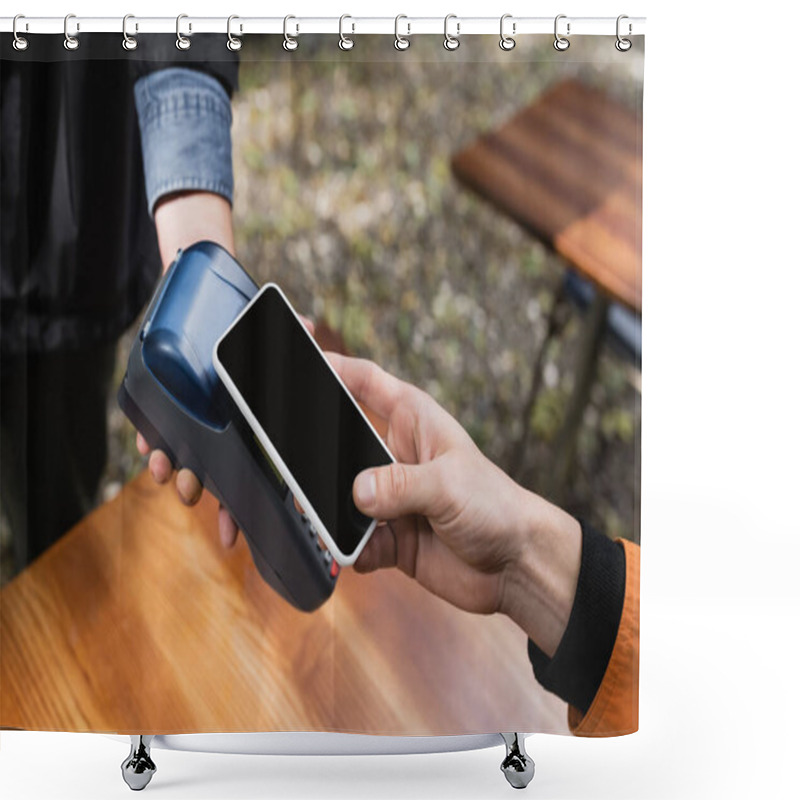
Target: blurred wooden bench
x,y
568,168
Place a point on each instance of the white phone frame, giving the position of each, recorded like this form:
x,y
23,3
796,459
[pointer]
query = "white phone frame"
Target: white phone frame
x,y
262,437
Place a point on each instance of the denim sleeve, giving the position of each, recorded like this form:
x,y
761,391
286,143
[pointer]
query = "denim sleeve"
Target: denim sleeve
x,y
185,126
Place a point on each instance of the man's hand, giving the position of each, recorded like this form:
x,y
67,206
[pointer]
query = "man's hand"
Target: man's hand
x,y
454,521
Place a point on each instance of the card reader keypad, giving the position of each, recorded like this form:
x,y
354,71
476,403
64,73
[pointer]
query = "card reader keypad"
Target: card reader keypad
x,y
331,565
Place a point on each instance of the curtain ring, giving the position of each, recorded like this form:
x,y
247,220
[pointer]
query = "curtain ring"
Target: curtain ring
x,y
182,43
561,43
289,42
70,42
401,42
234,43
20,42
451,42
623,45
345,42
507,42
129,42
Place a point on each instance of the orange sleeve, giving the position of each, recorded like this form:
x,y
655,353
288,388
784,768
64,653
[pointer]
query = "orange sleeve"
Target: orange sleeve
x,y
615,708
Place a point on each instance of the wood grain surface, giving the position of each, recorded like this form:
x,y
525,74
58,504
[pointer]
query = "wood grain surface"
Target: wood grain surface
x,y
569,169
138,621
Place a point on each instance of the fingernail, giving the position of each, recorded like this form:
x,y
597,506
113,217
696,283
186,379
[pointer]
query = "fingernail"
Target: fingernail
x,y
365,489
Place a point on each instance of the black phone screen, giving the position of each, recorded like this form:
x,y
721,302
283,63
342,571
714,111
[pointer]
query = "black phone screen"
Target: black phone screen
x,y
316,428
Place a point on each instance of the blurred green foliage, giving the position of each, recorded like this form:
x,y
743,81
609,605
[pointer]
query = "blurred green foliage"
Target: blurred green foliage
x,y
345,197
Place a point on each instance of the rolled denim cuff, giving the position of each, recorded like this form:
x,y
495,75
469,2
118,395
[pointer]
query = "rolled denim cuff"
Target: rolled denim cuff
x,y
185,126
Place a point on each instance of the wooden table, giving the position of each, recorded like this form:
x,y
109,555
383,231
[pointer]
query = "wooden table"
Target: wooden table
x,y
138,621
569,169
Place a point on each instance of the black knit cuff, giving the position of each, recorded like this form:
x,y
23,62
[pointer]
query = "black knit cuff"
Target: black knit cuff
x,y
576,670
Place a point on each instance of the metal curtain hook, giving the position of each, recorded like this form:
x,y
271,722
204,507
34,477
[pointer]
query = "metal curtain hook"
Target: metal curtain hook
x,y
289,42
70,42
129,42
507,42
234,43
451,42
401,42
623,45
182,43
561,43
20,43
345,42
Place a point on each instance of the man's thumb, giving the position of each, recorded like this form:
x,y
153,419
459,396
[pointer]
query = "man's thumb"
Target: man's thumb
x,y
395,490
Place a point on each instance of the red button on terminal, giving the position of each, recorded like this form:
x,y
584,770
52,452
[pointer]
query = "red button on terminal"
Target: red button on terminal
x,y
334,569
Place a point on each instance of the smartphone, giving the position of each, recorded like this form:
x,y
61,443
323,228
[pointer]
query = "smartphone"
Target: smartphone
x,y
302,414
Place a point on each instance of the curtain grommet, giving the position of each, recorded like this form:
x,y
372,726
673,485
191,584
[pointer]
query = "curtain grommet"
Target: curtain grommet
x,y
561,43
71,43
507,42
345,42
128,42
234,43
290,43
401,42
20,43
623,45
451,42
182,42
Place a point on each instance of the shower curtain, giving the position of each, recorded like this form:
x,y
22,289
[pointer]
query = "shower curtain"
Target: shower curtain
x,y
466,217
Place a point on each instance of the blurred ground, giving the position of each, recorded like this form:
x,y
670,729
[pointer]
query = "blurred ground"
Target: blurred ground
x,y
344,196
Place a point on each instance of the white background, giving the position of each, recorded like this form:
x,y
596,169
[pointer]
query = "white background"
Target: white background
x,y
721,441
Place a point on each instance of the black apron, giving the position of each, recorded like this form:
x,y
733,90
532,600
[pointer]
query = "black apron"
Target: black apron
x,y
78,250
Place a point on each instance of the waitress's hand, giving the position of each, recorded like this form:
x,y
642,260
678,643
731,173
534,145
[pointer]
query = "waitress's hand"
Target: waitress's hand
x,y
188,485
181,219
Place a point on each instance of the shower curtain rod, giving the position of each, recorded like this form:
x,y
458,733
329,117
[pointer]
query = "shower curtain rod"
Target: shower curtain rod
x,y
349,25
